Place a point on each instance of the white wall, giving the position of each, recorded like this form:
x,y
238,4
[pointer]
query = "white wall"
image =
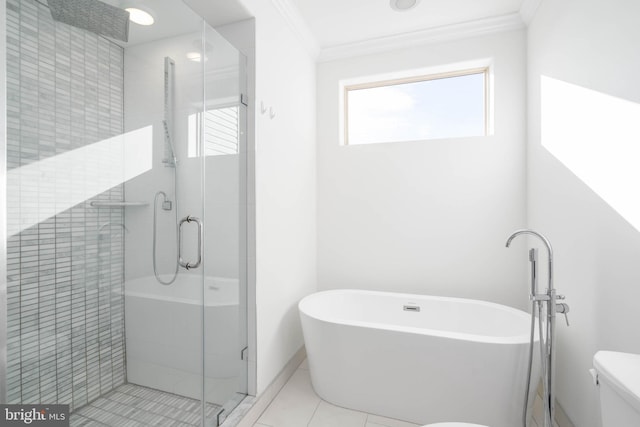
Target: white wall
x,y
428,217
285,188
591,44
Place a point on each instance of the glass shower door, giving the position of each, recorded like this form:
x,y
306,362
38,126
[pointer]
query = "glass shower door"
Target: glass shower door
x,y
223,151
191,337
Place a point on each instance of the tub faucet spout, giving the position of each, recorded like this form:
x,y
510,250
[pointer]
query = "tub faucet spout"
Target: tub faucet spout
x,y
546,243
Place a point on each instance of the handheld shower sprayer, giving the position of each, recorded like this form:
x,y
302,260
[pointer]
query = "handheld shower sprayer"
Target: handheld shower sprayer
x,y
171,160
546,243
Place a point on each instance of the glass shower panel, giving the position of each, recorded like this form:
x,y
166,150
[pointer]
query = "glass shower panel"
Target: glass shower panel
x,y
223,124
126,204
119,165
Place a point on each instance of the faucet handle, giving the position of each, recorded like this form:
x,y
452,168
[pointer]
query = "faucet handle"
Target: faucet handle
x,y
564,309
566,318
560,297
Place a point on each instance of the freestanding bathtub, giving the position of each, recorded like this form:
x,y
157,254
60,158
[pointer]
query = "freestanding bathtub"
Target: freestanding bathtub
x,y
417,358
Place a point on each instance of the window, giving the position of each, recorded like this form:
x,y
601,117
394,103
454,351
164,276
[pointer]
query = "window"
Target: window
x,y
446,105
221,131
221,128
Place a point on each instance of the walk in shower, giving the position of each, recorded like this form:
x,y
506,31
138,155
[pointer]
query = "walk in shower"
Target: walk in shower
x,y
126,214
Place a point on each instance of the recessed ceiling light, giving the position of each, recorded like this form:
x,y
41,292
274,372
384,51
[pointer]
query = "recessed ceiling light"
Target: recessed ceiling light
x,y
194,56
139,16
402,5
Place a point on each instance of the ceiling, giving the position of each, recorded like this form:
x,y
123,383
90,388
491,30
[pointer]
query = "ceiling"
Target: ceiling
x,y
338,28
219,12
340,22
174,17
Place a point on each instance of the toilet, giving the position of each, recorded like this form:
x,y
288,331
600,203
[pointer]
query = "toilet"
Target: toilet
x,y
617,376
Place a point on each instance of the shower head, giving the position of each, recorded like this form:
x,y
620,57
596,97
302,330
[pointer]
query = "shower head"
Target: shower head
x,y
92,15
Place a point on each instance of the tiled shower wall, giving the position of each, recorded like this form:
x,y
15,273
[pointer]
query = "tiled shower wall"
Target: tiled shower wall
x,y
65,263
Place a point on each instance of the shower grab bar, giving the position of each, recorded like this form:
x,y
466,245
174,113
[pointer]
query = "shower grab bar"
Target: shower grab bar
x,y
189,265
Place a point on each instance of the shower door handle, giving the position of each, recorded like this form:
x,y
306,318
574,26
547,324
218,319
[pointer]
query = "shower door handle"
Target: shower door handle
x,y
196,264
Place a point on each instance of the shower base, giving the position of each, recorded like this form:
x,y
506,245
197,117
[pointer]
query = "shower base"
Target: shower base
x,y
132,405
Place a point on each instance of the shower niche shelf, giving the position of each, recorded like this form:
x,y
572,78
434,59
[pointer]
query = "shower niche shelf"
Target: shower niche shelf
x,y
111,205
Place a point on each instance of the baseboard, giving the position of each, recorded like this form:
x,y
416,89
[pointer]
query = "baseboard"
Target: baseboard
x,y
262,401
561,417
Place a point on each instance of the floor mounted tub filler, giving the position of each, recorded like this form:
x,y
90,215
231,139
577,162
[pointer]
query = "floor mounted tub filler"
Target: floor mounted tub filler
x,y
418,358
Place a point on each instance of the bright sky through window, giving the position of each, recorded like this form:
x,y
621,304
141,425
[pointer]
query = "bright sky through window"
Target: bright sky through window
x,y
433,108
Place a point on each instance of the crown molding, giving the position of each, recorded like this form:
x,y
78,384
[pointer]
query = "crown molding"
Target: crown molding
x,y
528,10
445,33
298,26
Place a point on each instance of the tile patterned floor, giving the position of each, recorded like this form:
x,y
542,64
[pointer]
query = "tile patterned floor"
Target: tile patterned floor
x,y
135,406
297,405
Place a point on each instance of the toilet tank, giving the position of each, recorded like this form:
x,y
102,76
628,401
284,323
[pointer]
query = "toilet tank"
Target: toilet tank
x,y
619,388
